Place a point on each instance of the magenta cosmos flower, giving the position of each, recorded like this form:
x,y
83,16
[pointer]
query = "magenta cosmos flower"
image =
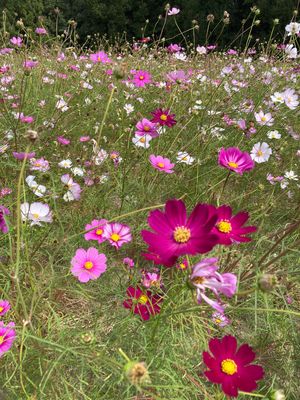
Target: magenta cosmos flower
x,y
88,265
163,117
235,160
230,367
95,230
21,156
41,31
29,64
100,57
7,337
3,226
162,164
4,307
117,234
175,235
229,228
141,78
146,127
16,41
142,303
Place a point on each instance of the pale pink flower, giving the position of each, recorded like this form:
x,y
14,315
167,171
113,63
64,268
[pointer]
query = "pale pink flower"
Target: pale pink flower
x,y
88,265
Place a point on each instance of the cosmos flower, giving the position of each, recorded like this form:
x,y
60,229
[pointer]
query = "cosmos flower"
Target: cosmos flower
x,y
141,78
117,234
231,367
38,190
88,264
39,164
146,127
151,278
142,141
261,152
74,189
228,228
162,164
95,230
293,28
185,158
290,99
264,119
41,31
29,64
201,50
205,276
174,234
62,140
274,135
142,303
163,117
23,155
3,226
65,164
16,41
4,307
220,319
174,11
128,262
7,336
235,160
174,48
291,51
100,57
36,213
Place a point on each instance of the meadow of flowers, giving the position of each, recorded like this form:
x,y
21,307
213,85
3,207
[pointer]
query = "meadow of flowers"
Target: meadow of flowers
x,y
149,219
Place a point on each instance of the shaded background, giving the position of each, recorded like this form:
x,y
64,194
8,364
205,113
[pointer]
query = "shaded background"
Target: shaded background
x,y
111,17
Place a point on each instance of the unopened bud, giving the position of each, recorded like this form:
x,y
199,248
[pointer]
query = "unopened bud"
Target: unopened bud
x,y
277,395
226,14
267,282
295,13
276,21
257,22
210,18
137,373
32,135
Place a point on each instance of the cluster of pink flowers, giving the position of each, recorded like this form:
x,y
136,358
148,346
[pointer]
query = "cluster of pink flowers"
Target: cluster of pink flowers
x,y
7,331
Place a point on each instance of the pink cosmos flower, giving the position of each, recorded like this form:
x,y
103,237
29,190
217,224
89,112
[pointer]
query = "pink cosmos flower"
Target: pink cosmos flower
x,y
146,127
100,57
26,119
74,189
235,160
62,140
175,235
4,307
88,265
162,164
141,78
264,119
173,11
7,336
128,262
29,64
174,48
23,155
41,31
97,232
178,77
231,367
142,303
205,276
151,278
84,138
220,319
16,41
39,164
6,50
3,225
163,117
229,228
117,234
5,192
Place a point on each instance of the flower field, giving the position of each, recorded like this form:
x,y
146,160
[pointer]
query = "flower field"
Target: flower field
x,y
149,222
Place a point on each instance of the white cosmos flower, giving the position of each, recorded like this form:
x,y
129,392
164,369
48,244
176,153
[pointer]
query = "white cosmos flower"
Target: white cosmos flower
x,y
291,175
264,119
61,105
261,152
201,49
290,98
65,164
274,135
293,28
36,213
129,108
142,141
38,190
277,97
184,157
291,51
77,171
180,56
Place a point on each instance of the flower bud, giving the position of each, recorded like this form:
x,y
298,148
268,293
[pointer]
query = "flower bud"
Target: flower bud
x,y
277,395
210,18
137,373
276,21
267,282
32,135
88,337
257,22
295,13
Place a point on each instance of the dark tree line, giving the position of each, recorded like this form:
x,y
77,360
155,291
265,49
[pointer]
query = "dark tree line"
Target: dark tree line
x,y
112,17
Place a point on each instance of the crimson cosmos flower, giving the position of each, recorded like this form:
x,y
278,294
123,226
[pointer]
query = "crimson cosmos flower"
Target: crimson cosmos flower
x,y
230,367
163,117
142,303
176,235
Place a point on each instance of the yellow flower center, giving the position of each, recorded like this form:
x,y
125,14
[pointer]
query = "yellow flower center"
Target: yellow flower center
x,y
218,321
182,266
233,164
160,165
115,237
228,366
1,309
182,234
99,232
259,153
143,299
163,117
198,280
141,77
142,140
224,226
99,58
146,128
263,119
1,339
35,216
88,265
